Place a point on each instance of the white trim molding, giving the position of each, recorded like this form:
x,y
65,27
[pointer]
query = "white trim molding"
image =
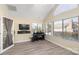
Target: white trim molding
x,y
6,49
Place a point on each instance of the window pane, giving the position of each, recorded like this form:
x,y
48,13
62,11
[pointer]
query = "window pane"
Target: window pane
x,y
40,27
75,28
68,29
58,28
71,28
34,27
49,28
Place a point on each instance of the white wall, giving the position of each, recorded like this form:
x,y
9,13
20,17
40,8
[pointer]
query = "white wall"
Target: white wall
x,y
4,13
16,21
23,37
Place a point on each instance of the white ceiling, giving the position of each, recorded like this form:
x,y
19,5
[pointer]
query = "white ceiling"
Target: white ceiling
x,y
64,8
31,11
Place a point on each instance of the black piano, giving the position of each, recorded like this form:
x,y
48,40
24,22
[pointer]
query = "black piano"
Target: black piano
x,y
38,36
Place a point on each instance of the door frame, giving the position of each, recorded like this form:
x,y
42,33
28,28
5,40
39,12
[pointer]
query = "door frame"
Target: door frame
x,y
1,34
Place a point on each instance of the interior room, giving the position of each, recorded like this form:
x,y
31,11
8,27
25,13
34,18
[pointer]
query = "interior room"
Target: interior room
x,y
39,29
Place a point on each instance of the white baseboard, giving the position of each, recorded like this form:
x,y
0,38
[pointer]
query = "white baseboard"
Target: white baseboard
x,y
64,47
21,41
6,49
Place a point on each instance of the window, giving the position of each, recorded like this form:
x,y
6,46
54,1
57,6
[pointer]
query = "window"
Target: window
x,y
71,28
49,28
67,29
75,28
39,27
36,27
58,28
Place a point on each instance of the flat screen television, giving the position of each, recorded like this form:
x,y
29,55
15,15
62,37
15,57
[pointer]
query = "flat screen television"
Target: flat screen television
x,y
24,27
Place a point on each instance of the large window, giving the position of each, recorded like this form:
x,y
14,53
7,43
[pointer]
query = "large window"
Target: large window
x,y
75,28
67,28
46,29
36,27
71,28
40,27
49,28
58,28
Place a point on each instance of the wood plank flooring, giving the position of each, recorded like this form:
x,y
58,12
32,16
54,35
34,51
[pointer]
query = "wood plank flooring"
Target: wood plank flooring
x,y
37,48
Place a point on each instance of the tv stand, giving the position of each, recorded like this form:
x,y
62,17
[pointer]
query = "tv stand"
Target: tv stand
x,y
23,32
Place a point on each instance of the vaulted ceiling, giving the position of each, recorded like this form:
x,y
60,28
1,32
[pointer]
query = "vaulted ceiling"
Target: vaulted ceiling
x,y
30,11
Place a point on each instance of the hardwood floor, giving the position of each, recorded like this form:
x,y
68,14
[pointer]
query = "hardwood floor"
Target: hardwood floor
x,y
37,48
